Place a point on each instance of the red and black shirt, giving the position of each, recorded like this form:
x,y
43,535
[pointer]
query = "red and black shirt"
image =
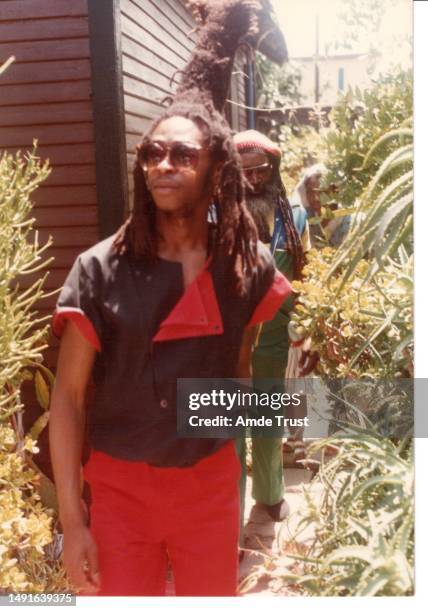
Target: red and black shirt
x,y
148,332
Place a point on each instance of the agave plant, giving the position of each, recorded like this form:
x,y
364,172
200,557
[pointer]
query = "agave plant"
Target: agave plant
x,y
386,226
363,525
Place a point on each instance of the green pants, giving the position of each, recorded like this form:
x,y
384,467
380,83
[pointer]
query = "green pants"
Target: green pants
x,y
267,465
267,473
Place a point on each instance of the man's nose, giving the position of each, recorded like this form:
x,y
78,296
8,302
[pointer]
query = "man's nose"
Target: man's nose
x,y
165,164
253,177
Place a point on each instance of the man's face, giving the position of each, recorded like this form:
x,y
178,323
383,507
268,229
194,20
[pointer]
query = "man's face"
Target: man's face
x,y
179,182
312,193
258,171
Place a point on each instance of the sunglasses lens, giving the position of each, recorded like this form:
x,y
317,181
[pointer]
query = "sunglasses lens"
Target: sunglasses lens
x,y
262,172
151,154
184,156
181,155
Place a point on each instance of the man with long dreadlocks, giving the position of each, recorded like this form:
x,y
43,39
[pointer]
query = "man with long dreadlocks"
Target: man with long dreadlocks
x,y
168,296
285,230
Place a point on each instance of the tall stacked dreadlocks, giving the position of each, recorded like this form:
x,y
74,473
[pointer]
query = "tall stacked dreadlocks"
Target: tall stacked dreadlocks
x,y
253,141
201,97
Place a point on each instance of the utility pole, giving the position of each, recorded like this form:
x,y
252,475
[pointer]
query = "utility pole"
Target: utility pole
x,y
317,50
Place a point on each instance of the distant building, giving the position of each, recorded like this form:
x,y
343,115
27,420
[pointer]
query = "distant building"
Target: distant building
x,y
335,74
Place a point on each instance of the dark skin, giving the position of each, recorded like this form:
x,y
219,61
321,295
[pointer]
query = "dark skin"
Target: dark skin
x,y
257,180
312,193
182,197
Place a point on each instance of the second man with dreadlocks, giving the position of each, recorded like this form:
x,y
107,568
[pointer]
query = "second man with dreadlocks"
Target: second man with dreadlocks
x,y
285,230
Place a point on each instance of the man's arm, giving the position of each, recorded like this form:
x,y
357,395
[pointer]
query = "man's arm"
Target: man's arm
x,y
305,238
66,431
244,369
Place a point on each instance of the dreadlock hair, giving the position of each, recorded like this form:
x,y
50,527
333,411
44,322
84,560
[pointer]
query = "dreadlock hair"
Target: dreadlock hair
x,y
254,141
294,244
200,97
236,234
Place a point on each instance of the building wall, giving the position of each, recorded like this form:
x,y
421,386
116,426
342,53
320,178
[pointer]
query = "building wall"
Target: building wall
x,y
156,42
355,70
45,94
235,109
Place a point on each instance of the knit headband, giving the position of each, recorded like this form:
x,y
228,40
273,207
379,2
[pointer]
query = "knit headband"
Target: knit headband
x,y
253,141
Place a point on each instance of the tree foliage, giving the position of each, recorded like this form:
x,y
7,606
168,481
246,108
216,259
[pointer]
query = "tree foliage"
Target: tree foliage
x,y
358,121
357,302
276,86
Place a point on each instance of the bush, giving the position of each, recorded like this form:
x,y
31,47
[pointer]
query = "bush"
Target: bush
x,y
358,120
364,535
28,550
357,302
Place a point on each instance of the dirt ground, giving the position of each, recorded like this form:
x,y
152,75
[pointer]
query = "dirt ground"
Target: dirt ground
x,y
264,538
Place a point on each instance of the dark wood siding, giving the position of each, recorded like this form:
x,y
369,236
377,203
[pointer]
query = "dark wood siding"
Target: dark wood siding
x,y
156,43
236,111
46,94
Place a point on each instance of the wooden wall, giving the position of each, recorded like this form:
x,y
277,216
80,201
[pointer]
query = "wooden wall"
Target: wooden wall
x,y
45,94
156,41
236,111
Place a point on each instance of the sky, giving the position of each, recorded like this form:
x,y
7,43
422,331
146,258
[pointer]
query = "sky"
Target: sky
x,y
297,21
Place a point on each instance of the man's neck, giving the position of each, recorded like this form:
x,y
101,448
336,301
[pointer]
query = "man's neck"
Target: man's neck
x,y
182,233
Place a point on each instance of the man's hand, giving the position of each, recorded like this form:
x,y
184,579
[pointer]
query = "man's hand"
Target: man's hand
x,y
308,359
81,560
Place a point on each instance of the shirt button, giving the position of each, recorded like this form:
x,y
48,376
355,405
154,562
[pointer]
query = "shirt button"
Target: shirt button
x,y
163,403
148,278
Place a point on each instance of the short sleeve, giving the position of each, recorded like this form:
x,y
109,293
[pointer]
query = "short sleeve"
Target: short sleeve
x,y
270,289
78,302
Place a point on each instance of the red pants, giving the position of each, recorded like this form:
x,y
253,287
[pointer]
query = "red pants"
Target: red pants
x,y
142,515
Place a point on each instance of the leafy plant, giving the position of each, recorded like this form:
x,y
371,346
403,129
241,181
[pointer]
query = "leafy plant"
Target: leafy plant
x,y
364,541
360,328
362,525
359,120
276,86
28,551
357,302
387,203
302,146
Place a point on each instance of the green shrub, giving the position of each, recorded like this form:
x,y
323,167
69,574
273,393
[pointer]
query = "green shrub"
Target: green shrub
x,y
28,550
364,542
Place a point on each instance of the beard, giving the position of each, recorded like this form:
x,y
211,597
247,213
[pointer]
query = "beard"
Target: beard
x,y
261,206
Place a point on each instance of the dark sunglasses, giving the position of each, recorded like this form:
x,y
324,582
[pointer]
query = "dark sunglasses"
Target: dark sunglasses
x,y
262,170
181,154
